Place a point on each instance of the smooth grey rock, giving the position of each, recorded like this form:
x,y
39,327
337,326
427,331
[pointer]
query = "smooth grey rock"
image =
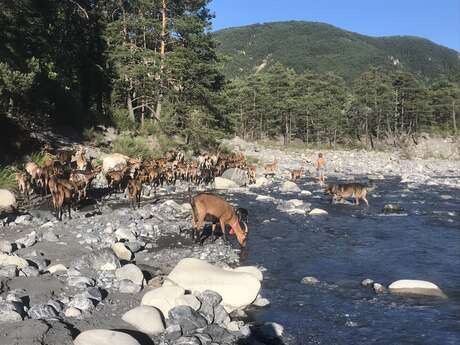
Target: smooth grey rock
x,y
187,341
135,246
239,176
50,236
219,334
127,286
93,293
188,319
80,281
100,260
42,312
173,332
130,272
27,241
211,297
81,302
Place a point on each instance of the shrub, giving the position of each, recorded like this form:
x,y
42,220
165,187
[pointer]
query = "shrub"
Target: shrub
x,y
38,158
133,146
92,135
121,121
7,178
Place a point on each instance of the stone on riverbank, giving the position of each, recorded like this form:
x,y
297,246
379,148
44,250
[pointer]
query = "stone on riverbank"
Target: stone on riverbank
x,y
238,289
223,183
7,200
416,287
317,212
289,186
239,176
146,319
163,298
104,337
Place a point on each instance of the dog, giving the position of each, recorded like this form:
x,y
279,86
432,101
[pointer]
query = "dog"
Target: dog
x,y
242,214
356,190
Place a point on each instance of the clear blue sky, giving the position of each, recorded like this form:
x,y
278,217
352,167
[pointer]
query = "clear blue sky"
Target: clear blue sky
x,y
437,20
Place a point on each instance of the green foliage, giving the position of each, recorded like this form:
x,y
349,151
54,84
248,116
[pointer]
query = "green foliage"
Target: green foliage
x,y
135,147
121,120
93,136
38,158
323,48
7,178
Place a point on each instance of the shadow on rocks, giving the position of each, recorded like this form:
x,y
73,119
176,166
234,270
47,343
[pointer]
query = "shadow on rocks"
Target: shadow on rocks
x,y
142,338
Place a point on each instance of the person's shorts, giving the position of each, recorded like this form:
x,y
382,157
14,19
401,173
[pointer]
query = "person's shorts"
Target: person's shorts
x,y
320,172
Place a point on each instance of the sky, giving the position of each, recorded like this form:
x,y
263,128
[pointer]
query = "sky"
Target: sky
x,y
437,20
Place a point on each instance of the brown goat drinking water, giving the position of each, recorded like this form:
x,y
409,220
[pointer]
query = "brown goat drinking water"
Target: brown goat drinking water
x,y
134,192
213,208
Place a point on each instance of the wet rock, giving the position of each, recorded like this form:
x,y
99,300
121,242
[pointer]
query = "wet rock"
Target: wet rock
x,y
9,271
104,337
239,176
50,236
261,302
367,282
127,286
42,312
187,341
237,289
306,193
6,247
379,288
72,312
271,330
317,212
289,186
10,311
210,297
223,183
416,287
163,298
392,208
188,319
101,260
310,280
189,300
146,319
8,260
121,251
130,272
265,198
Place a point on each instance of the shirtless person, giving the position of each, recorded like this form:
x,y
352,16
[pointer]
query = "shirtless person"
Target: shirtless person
x,y
320,166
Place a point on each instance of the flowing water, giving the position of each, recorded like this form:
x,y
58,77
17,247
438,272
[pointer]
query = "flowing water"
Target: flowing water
x,y
351,244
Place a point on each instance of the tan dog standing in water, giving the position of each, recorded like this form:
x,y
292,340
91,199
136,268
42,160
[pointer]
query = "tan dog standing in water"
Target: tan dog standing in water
x,y
348,190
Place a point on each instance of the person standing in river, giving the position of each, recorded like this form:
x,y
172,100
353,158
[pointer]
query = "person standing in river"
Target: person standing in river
x,y
320,167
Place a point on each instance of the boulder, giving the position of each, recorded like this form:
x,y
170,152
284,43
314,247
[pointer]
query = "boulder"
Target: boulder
x,y
42,312
72,312
6,247
121,251
7,200
252,270
146,319
416,287
262,181
8,260
163,298
317,212
310,280
223,183
239,176
392,208
100,260
125,234
132,273
289,186
127,286
189,300
10,311
114,161
238,289
104,337
56,268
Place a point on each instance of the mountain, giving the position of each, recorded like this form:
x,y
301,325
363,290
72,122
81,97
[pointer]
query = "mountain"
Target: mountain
x,y
323,48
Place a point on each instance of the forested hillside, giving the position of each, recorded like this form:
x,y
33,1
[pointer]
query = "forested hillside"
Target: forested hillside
x,y
324,48
153,68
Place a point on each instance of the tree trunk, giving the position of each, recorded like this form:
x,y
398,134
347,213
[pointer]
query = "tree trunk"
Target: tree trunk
x,y
129,104
453,118
164,25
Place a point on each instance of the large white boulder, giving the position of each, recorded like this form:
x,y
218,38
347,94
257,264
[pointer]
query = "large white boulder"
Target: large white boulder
x,y
104,337
238,289
7,200
9,260
146,319
130,272
261,181
416,287
223,183
317,212
252,270
114,161
164,298
289,186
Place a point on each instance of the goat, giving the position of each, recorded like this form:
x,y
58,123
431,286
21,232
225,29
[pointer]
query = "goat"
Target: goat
x,y
214,208
270,168
81,161
297,173
23,180
134,192
252,170
116,179
62,196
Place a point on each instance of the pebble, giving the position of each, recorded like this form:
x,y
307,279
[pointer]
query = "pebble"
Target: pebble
x,y
121,251
50,236
367,282
72,312
379,288
56,268
310,280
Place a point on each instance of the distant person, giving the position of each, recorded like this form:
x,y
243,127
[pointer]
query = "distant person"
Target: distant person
x,y
320,167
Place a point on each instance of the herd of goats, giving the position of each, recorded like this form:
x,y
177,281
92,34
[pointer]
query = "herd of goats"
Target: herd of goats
x,y
67,174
